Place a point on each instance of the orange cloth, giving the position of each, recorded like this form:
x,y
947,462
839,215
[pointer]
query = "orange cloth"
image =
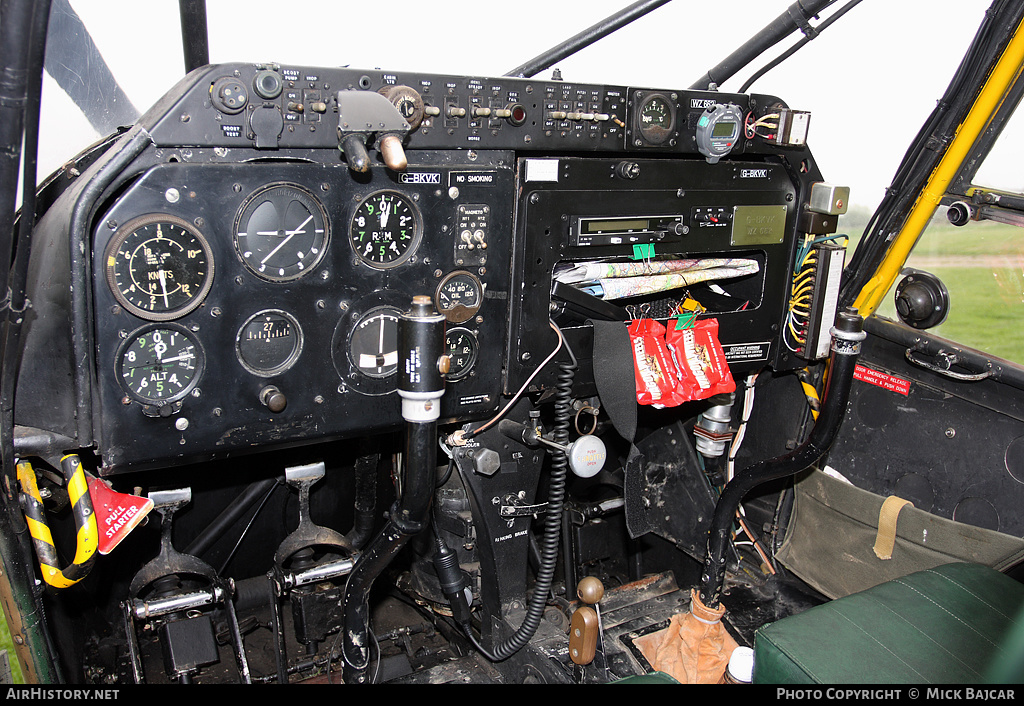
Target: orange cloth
x,y
694,648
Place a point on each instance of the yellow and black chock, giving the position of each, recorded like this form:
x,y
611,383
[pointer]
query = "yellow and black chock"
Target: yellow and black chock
x,y
85,523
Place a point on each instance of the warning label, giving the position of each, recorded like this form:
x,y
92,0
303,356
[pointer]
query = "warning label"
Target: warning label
x,y
746,352
883,380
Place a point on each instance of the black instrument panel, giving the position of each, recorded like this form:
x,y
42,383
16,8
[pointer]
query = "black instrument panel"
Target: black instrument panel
x,y
247,277
258,303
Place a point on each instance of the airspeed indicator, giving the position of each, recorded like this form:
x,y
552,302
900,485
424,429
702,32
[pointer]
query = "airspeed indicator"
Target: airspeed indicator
x,y
159,267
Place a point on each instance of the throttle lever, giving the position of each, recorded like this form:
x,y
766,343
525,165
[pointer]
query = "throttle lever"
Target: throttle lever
x,y
368,119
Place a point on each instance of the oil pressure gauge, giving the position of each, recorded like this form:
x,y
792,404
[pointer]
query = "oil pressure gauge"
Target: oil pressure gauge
x,y
459,296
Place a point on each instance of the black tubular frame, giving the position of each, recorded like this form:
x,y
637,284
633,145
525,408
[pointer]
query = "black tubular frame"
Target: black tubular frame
x,y
846,342
585,38
794,18
195,37
929,146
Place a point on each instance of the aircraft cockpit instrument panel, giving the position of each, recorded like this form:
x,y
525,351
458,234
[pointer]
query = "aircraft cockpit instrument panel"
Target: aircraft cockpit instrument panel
x,y
252,257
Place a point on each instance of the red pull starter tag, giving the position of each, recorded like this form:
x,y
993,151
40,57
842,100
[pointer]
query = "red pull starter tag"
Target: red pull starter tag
x,y
117,514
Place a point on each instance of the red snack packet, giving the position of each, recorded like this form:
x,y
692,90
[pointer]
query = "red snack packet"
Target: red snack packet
x,y
700,360
656,376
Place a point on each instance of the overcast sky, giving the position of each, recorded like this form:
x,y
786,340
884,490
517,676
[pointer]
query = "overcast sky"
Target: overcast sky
x,y
869,80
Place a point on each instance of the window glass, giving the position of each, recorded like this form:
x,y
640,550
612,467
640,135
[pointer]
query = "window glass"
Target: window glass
x,y
982,266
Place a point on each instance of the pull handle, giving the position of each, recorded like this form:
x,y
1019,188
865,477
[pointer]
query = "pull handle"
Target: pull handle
x,y
944,361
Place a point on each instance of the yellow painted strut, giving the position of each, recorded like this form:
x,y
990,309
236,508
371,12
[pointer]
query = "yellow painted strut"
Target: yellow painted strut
x,y
1006,70
85,522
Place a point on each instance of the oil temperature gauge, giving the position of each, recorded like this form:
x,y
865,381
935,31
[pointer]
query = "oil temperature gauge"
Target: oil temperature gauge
x,y
462,348
159,364
656,119
459,296
269,342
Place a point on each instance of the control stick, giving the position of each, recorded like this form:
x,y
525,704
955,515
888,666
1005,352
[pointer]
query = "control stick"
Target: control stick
x,y
421,366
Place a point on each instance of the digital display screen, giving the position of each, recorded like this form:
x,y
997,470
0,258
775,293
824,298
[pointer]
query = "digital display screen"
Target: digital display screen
x,y
615,226
723,129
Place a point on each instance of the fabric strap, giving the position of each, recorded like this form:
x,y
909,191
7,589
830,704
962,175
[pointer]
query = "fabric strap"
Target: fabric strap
x,y
885,539
616,386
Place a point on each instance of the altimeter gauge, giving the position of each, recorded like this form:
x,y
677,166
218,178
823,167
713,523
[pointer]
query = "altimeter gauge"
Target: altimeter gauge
x,y
159,364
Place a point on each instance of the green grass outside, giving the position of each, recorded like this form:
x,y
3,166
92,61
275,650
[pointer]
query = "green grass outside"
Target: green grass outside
x,y
6,643
982,266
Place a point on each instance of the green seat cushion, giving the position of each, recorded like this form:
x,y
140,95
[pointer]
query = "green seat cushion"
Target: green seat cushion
x,y
943,625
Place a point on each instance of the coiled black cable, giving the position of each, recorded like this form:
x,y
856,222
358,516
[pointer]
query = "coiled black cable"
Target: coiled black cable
x,y
551,539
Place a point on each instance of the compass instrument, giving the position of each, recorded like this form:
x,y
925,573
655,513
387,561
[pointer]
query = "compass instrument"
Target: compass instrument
x,y
269,342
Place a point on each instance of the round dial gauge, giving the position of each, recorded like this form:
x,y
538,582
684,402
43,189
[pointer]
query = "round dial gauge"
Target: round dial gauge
x,y
656,119
462,349
385,229
159,364
159,267
459,296
373,345
281,232
269,342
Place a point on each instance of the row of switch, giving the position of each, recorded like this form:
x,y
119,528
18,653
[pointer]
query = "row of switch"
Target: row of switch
x,y
563,115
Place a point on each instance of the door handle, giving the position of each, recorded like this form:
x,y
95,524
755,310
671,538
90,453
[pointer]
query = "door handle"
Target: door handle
x,y
943,362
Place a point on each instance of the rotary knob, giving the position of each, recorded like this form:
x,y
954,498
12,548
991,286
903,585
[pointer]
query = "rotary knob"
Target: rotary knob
x,y
408,102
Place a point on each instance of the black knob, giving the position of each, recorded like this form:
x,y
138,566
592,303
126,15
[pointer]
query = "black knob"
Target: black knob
x,y
922,300
628,170
273,399
268,84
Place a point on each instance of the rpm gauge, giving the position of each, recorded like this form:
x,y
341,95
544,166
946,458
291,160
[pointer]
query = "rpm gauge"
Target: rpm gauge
x,y
385,230
159,267
159,364
281,232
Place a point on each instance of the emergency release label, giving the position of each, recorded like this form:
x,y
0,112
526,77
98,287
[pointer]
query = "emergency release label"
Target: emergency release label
x,y
882,380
